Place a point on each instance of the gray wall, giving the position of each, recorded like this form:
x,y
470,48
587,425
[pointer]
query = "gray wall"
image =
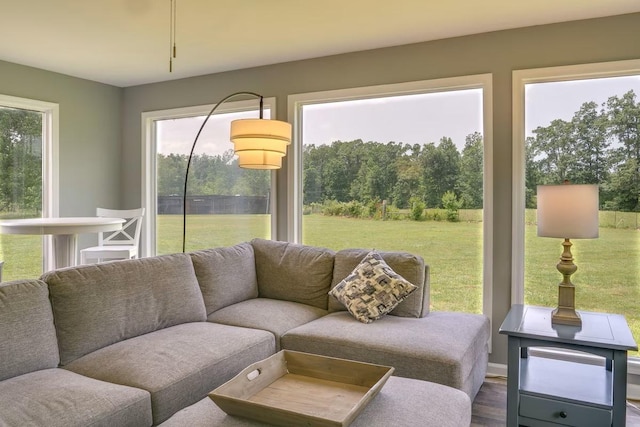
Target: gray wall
x,y
499,53
90,136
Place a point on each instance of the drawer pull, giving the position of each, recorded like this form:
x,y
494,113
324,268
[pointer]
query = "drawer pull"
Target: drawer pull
x,y
563,414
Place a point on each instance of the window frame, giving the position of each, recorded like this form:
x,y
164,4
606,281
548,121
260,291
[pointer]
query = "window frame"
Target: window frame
x,y
50,162
149,151
520,78
478,81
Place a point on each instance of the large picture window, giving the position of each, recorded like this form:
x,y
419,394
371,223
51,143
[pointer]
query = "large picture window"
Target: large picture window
x,y
401,168
580,124
28,181
225,204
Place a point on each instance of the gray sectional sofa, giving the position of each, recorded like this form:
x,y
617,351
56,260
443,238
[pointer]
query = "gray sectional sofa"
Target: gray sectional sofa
x,y
130,343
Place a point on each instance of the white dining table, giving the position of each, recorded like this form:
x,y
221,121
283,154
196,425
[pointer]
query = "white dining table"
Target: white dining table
x,y
64,230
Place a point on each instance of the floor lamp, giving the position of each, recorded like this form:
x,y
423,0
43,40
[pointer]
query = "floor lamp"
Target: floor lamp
x,y
258,143
567,211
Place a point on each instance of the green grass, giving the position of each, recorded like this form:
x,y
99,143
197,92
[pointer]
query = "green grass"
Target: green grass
x,y
606,280
452,250
22,256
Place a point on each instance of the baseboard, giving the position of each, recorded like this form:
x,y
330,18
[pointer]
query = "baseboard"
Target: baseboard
x,y
499,370
496,370
633,391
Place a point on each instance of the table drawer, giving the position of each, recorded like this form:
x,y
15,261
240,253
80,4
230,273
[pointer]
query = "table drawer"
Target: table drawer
x,y
563,413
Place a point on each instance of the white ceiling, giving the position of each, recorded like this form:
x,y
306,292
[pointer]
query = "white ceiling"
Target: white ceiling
x,y
126,42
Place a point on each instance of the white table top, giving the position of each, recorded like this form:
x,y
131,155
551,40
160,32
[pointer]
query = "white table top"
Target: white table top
x,y
65,225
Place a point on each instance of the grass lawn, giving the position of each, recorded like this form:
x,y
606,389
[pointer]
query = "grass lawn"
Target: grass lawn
x,y
607,278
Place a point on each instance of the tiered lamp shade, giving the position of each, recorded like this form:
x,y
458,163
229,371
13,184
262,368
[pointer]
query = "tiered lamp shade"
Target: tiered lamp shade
x,y
260,143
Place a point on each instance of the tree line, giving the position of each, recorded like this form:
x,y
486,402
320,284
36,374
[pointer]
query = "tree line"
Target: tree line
x,y
20,160
209,175
599,145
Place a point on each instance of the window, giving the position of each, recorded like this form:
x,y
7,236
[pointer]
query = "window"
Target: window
x,y
400,167
225,204
579,123
28,180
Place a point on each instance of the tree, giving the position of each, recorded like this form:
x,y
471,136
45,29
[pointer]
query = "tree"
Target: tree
x,y
624,122
532,174
377,174
554,152
408,185
253,182
20,160
441,170
598,146
471,172
342,169
589,133
314,160
171,169
452,205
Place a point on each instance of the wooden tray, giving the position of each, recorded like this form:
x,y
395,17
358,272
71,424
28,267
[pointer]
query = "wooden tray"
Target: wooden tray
x,y
293,388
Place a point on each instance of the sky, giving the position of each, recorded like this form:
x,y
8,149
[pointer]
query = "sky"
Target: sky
x,y
412,119
408,119
550,101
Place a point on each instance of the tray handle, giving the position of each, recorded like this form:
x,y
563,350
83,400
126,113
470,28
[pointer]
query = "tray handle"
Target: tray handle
x,y
254,374
254,378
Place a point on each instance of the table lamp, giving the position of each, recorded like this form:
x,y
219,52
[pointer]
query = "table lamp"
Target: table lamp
x,y
567,211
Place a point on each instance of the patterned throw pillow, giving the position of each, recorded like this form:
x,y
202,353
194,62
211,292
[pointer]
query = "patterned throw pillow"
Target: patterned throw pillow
x,y
372,289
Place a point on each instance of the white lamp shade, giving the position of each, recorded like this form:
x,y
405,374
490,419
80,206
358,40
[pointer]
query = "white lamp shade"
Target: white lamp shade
x,y
260,143
257,159
568,211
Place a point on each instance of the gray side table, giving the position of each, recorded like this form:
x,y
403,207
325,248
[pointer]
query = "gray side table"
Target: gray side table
x,y
545,392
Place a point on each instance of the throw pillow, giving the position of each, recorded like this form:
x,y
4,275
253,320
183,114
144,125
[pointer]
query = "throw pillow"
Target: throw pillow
x,y
372,289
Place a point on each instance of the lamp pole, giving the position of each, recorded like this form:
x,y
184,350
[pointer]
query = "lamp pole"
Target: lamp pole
x,y
193,146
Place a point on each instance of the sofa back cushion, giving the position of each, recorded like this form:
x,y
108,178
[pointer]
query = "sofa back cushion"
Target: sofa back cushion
x,y
226,275
101,304
292,272
27,335
409,266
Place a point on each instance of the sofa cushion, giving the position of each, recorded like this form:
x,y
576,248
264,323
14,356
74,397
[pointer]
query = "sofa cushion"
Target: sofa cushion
x,y
409,266
226,275
177,365
292,272
27,335
98,305
59,398
275,316
372,289
443,347
402,402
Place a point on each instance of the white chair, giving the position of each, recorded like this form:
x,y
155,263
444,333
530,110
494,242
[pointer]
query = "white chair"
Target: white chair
x,y
121,244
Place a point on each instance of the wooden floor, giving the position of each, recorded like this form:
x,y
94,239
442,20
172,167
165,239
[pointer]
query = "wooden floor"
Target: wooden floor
x,y
490,406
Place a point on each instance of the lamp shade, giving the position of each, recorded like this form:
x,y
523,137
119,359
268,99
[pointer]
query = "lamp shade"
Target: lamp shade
x,y
260,143
568,211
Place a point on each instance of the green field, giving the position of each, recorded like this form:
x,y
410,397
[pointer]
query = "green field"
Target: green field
x,y
607,277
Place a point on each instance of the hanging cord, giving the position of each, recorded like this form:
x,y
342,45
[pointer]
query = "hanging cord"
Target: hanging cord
x,y
193,146
172,33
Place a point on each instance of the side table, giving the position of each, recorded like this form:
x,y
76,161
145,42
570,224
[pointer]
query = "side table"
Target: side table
x,y
543,391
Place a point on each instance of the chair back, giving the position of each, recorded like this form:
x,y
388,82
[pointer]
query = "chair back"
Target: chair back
x,y
130,232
